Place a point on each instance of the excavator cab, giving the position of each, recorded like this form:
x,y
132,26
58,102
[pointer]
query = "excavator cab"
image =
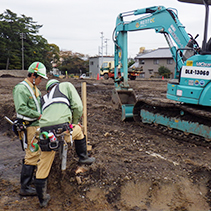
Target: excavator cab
x,y
194,83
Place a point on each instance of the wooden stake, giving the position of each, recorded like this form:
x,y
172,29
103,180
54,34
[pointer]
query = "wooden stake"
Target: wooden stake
x,y
84,118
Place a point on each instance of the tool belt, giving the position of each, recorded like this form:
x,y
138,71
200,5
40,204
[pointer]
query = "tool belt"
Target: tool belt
x,y
57,129
18,126
45,143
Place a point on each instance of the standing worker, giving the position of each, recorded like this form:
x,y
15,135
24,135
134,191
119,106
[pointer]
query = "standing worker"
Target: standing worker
x,y
61,107
28,108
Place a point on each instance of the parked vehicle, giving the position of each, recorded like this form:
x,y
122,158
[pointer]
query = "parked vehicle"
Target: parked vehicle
x,y
84,76
107,71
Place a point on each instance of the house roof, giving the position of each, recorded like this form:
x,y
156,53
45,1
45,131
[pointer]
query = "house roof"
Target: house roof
x,y
136,64
158,53
93,57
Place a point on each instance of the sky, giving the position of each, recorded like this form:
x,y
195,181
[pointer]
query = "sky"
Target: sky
x,y
77,25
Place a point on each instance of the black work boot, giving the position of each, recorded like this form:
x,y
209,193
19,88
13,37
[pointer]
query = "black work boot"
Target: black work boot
x,y
26,178
41,188
81,150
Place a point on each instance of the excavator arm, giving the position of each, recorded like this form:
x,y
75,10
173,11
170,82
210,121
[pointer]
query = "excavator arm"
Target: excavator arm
x,y
162,20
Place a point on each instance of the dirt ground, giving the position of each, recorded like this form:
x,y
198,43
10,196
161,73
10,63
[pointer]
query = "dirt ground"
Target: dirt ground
x,y
136,168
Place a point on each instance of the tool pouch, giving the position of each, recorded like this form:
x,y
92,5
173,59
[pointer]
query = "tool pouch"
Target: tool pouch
x,y
19,128
47,145
44,144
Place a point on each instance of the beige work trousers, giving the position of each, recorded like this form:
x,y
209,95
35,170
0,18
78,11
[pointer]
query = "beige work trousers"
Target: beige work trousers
x,y
31,158
47,157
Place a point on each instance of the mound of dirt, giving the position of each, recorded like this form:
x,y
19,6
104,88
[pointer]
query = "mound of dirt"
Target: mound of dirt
x,y
13,73
136,168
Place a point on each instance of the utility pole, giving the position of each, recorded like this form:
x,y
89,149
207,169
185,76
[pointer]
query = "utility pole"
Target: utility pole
x,y
106,43
102,46
22,36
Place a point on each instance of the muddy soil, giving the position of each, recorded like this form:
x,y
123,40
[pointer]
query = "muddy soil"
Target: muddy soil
x,y
136,168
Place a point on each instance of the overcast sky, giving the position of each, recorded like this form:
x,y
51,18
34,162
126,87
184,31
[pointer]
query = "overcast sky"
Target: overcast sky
x,y
76,25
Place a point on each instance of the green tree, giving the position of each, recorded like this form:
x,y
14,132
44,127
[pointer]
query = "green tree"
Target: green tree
x,y
131,62
164,71
73,63
53,54
36,47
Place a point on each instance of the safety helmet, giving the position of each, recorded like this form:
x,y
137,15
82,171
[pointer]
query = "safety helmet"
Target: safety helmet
x,y
51,83
39,68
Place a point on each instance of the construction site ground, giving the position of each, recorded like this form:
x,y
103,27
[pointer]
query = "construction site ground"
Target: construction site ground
x,y
136,168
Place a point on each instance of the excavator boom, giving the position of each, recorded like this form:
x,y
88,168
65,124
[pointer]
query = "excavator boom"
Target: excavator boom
x,y
162,20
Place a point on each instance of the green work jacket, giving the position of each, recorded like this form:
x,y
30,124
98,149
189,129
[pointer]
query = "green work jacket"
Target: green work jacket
x,y
58,112
25,105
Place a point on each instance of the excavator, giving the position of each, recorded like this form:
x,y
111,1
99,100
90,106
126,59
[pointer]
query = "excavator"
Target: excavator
x,y
186,110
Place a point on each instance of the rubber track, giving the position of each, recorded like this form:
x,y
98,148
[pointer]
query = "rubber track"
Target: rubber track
x,y
192,114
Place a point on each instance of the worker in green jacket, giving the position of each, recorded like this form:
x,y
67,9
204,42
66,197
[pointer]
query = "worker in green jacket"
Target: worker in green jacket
x,y
61,111
28,108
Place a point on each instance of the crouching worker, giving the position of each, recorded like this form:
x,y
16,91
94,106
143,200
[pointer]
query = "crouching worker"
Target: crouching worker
x,y
61,106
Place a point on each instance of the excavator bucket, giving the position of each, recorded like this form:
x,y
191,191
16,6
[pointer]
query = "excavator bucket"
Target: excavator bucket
x,y
125,99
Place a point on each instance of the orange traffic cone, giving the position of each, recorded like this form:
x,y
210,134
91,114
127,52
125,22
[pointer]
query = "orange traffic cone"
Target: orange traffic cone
x,y
98,77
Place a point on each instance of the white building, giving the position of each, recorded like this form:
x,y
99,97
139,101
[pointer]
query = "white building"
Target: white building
x,y
95,63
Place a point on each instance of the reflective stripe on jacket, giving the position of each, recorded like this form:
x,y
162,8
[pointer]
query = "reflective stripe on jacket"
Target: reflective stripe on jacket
x,y
26,106
54,96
